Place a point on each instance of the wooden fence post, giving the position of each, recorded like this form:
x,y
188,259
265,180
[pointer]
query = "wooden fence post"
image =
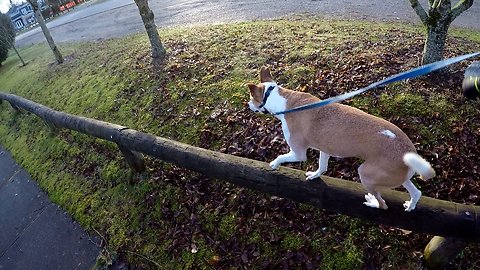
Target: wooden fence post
x,y
134,159
53,128
14,107
440,251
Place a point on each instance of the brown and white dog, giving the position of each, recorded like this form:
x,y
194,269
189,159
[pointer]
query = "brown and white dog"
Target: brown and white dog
x,y
343,131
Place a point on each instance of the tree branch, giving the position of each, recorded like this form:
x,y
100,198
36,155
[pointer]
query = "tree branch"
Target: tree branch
x,y
435,4
460,7
420,11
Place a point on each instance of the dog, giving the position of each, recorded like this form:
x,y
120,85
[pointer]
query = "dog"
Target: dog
x,y
390,158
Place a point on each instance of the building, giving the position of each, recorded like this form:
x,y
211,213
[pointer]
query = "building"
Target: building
x,y
21,15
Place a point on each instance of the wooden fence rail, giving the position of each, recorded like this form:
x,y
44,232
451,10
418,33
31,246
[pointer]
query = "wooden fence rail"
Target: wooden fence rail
x,y
432,216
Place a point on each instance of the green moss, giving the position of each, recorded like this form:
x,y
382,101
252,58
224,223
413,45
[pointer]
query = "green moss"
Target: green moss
x,y
209,222
196,255
346,258
297,76
113,171
254,238
465,33
227,226
404,104
292,242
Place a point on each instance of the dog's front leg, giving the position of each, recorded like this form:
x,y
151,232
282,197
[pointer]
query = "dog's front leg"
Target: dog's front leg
x,y
291,156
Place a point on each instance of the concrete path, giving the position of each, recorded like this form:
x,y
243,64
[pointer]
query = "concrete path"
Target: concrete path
x,y
115,18
34,232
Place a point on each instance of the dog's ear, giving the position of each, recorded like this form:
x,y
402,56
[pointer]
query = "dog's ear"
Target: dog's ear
x,y
253,88
255,91
265,75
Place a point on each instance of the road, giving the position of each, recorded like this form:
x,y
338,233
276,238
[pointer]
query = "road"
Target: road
x,y
100,19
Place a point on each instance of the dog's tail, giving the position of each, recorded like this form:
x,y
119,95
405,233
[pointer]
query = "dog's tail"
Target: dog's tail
x,y
415,162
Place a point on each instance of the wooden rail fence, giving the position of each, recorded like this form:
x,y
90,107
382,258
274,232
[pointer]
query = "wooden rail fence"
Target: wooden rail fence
x,y
453,224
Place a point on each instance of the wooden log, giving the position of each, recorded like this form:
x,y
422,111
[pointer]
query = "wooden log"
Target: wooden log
x,y
432,216
441,251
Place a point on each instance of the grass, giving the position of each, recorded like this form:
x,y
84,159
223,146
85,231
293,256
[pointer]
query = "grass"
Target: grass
x,y
174,219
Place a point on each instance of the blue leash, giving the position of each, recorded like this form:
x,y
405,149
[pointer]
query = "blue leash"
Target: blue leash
x,y
413,73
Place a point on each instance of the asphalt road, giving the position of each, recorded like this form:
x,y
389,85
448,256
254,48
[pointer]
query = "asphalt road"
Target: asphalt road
x,y
99,19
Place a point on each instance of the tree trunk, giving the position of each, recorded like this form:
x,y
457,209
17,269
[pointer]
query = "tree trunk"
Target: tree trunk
x,y
46,32
158,51
434,44
21,59
437,21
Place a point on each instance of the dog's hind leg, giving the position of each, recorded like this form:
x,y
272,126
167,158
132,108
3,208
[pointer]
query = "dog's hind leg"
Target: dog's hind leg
x,y
322,166
373,198
292,156
415,195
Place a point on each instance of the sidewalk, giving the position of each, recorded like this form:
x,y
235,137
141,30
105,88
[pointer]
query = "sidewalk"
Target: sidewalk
x,y
34,232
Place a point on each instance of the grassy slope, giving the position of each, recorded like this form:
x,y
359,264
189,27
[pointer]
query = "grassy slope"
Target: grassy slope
x,y
198,98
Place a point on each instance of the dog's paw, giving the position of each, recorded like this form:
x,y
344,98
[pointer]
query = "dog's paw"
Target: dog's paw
x,y
409,206
371,201
312,175
274,164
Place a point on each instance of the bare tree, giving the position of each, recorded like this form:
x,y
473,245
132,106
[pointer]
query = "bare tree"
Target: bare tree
x,y
438,19
158,51
46,32
20,57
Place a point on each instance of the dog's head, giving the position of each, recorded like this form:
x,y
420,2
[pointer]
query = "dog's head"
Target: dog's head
x,y
260,92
